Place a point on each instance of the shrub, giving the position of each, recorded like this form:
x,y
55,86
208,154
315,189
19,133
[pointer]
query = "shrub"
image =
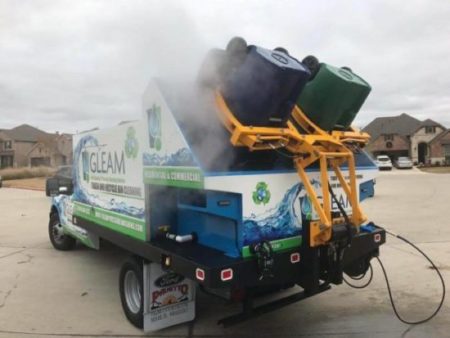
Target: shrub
x,y
26,172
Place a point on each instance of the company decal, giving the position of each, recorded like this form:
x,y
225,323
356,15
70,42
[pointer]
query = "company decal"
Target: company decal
x,y
170,295
168,279
154,127
131,144
105,170
261,194
131,226
169,298
104,162
185,177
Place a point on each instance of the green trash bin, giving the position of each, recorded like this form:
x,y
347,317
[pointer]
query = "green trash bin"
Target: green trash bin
x,y
334,97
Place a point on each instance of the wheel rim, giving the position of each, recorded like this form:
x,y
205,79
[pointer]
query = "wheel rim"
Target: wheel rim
x,y
58,232
132,291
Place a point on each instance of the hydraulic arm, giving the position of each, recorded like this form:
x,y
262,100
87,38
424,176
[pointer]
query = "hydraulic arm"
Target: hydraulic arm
x,y
307,143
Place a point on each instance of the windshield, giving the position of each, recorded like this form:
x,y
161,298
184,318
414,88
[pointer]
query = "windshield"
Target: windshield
x,y
383,158
64,172
404,159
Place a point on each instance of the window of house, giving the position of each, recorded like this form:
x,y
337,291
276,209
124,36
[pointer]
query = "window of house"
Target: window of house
x,y
430,130
389,137
447,150
8,144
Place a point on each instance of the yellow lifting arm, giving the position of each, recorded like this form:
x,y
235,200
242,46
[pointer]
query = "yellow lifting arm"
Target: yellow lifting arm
x,y
308,143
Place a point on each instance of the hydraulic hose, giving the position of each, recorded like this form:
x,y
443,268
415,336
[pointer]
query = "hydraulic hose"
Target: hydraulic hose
x,y
388,285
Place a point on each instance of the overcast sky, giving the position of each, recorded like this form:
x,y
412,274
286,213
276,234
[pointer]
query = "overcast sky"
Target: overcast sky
x,y
74,65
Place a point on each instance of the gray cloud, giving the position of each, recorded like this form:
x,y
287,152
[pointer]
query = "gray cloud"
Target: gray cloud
x,y
74,65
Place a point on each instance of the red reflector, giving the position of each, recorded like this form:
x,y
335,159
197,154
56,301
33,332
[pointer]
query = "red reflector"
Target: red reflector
x,y
200,274
226,274
377,238
295,257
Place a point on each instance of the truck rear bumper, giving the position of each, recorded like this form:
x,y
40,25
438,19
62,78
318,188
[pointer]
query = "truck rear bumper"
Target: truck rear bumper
x,y
211,268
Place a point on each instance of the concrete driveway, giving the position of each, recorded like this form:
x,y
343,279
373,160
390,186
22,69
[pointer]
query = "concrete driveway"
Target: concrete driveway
x,y
46,293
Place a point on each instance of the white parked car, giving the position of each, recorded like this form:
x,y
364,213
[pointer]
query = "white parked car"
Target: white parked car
x,y
403,163
384,162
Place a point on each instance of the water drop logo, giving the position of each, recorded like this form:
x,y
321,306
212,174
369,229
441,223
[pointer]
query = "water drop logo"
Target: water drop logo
x,y
306,207
154,126
261,194
131,143
85,163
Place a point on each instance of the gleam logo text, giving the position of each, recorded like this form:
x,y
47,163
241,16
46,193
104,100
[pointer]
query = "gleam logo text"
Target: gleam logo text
x,y
104,162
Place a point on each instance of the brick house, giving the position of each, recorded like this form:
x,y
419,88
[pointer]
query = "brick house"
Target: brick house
x,y
421,142
405,135
51,152
440,148
25,145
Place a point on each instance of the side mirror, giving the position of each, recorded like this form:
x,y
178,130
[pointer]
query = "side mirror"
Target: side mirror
x,y
51,187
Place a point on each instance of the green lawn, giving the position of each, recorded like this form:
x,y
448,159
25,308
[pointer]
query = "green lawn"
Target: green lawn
x,y
436,170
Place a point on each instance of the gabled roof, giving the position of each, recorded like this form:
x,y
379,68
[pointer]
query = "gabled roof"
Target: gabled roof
x,y
429,123
51,147
26,133
439,136
403,125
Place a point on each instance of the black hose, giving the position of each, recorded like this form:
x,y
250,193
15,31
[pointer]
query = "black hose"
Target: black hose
x,y
391,298
359,278
339,205
348,225
389,287
347,220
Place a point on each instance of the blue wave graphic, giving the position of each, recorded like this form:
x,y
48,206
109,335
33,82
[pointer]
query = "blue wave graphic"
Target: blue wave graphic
x,y
282,221
81,195
183,157
59,203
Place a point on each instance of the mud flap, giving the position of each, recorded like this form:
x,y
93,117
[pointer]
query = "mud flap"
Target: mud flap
x,y
169,298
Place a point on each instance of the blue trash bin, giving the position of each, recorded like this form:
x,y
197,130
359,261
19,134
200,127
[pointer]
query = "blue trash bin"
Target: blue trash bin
x,y
262,91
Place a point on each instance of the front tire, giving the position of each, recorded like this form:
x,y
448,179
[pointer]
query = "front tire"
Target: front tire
x,y
59,239
132,291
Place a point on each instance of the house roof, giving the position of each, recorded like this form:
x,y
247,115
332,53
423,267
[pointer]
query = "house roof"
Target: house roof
x,y
439,136
50,146
403,125
429,123
26,133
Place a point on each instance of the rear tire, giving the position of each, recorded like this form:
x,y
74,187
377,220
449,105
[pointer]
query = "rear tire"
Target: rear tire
x,y
59,239
132,291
